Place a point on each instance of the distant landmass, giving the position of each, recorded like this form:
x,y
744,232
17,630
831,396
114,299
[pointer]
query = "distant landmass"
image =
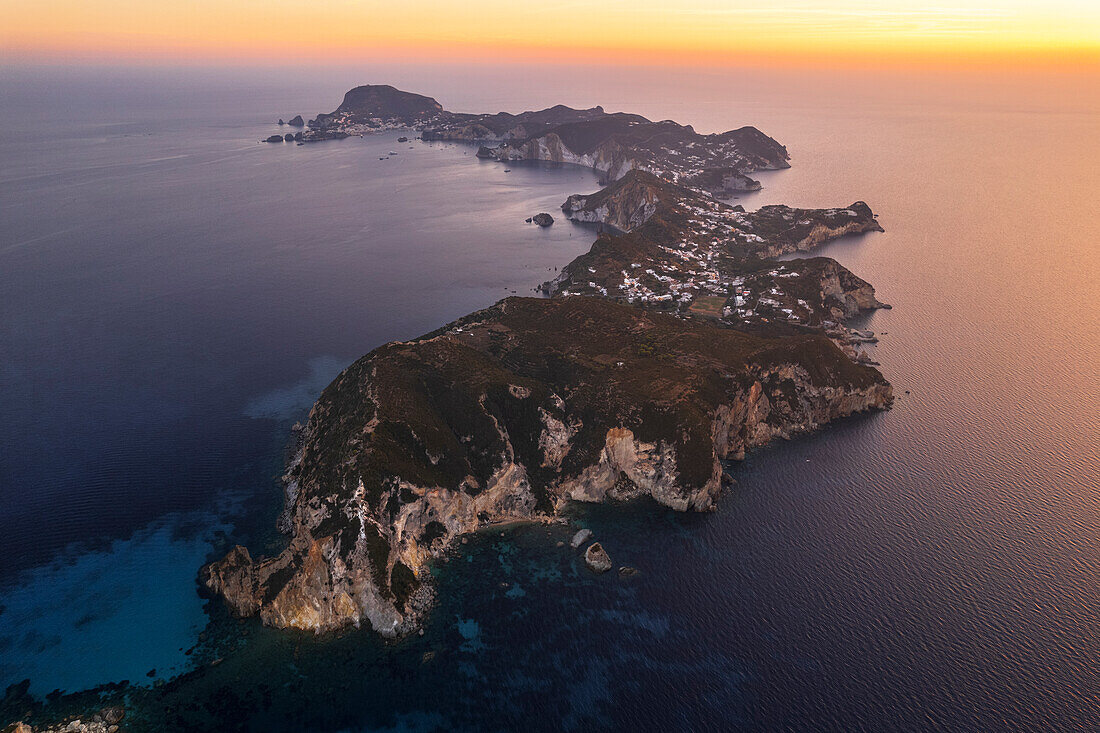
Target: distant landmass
x,y
613,144
675,343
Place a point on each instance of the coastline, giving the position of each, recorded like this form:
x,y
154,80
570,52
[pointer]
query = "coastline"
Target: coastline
x,y
355,556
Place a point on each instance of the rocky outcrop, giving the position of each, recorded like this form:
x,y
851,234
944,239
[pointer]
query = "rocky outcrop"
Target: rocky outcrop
x,y
844,294
596,558
297,121
509,414
624,205
106,720
543,219
234,579
782,230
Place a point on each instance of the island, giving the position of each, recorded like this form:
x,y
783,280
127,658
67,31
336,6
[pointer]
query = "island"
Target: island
x,y
677,343
613,144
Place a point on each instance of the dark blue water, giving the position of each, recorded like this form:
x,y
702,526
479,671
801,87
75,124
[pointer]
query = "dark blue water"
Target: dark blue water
x,y
173,295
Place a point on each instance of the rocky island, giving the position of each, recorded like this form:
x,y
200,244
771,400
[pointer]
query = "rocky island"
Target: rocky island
x,y
613,144
677,342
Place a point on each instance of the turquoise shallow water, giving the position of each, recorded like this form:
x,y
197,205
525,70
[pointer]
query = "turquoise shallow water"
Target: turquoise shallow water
x,y
103,616
174,294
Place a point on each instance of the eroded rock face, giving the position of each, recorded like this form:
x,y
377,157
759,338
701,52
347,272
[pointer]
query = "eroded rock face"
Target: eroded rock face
x,y
625,205
580,538
596,558
234,578
508,414
617,144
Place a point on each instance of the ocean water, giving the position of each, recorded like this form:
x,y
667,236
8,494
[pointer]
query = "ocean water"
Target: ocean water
x,y
173,295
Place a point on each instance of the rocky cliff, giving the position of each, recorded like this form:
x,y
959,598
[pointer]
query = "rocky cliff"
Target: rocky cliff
x,y
508,414
617,144
626,204
772,231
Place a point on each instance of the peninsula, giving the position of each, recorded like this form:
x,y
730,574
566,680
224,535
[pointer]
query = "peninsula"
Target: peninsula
x,y
675,343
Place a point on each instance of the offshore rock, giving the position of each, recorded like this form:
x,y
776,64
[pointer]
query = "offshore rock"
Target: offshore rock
x,y
543,219
596,558
580,538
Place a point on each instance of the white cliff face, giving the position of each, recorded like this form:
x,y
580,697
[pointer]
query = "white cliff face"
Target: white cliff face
x,y
628,468
847,295
609,158
821,233
631,206
554,438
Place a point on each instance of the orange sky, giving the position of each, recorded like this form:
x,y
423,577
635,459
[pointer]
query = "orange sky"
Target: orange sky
x,y
1060,32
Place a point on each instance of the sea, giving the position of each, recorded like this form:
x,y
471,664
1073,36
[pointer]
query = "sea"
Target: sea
x,y
174,294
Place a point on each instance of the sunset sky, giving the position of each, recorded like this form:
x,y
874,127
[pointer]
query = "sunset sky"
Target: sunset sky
x,y
1065,32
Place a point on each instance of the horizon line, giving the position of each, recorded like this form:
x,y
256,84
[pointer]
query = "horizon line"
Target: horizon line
x,y
1078,60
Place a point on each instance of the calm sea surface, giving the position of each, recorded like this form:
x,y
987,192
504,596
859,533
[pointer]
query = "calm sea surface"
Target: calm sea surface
x,y
174,295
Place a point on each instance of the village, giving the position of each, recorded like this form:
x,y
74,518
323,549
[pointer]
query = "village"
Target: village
x,y
716,270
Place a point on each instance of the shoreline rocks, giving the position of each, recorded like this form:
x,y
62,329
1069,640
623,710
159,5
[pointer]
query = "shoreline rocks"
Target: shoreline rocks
x,y
105,720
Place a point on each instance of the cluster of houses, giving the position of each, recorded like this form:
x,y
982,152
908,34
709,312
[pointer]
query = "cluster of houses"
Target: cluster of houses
x,y
698,265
